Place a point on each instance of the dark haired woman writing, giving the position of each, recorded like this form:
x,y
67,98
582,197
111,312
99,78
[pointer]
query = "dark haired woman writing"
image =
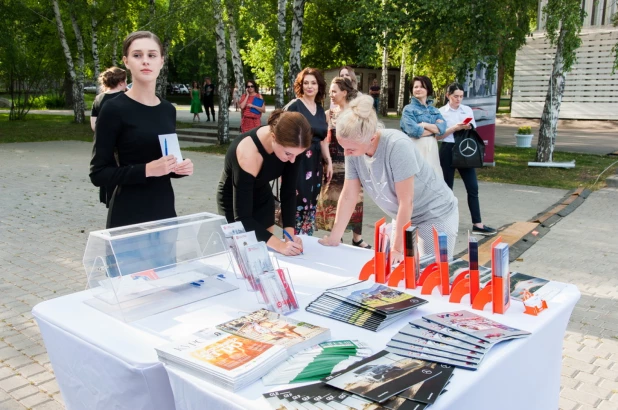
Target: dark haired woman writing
x,y
253,160
130,124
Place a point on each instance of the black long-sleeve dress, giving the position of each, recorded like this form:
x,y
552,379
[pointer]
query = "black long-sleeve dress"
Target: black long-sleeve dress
x,y
133,129
309,180
248,199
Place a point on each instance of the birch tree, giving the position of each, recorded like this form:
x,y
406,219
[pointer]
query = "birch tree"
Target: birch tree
x,y
95,44
562,26
78,101
81,65
236,60
296,41
223,86
384,82
279,57
402,81
161,89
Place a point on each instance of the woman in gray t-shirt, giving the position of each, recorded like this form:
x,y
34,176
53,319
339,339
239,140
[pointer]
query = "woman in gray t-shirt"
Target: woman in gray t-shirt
x,y
393,173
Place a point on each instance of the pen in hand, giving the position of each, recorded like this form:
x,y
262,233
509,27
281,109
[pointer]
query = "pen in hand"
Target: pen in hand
x,y
287,235
165,141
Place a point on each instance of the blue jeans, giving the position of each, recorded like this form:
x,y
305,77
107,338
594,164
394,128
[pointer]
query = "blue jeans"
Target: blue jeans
x,y
376,104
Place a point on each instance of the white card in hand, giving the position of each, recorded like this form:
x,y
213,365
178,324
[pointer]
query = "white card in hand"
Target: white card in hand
x,y
170,146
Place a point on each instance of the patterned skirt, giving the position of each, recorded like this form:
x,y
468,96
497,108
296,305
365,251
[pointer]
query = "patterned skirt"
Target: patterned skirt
x,y
329,197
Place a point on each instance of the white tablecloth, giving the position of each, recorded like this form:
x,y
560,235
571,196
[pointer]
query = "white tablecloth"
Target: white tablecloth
x,y
102,363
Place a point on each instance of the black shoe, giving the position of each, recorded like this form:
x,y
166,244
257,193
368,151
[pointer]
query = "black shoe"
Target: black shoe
x,y
359,244
485,230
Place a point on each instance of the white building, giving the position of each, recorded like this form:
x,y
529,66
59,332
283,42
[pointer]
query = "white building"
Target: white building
x,y
591,90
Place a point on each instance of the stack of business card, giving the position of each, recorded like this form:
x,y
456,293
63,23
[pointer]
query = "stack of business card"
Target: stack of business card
x,y
459,339
365,304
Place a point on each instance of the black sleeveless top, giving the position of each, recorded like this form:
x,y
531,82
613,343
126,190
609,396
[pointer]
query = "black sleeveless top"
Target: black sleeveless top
x,y
240,195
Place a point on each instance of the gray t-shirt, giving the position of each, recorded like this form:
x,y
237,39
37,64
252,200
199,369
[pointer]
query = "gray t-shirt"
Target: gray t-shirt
x,y
395,160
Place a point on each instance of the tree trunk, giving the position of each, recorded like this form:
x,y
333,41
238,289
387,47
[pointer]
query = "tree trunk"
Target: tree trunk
x,y
161,88
79,98
223,86
551,110
95,45
296,43
236,60
402,81
384,84
115,36
279,58
499,79
79,118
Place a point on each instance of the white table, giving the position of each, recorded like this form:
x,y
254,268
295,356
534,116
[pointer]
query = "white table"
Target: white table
x,y
102,363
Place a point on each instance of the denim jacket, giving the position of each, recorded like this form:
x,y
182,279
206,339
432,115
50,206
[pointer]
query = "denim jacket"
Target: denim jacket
x,y
415,113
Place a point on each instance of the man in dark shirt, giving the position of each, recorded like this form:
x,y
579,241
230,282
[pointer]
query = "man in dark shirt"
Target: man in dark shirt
x,y
374,91
208,98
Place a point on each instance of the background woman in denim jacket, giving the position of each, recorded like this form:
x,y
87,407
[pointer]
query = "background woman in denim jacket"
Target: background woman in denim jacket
x,y
424,122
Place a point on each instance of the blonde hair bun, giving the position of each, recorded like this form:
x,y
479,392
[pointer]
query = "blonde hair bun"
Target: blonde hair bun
x,y
359,121
362,106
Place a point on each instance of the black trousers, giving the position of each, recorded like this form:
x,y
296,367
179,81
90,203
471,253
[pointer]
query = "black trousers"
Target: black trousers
x,y
468,175
209,104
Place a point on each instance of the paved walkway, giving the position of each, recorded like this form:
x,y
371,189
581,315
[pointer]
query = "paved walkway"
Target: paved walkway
x,y
591,137
48,206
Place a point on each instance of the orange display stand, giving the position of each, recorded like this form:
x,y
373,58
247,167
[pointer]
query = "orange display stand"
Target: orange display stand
x,y
532,310
406,270
378,264
467,282
437,273
493,292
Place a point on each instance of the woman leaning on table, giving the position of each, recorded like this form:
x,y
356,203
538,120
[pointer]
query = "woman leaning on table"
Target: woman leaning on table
x,y
130,124
252,161
423,122
454,113
391,170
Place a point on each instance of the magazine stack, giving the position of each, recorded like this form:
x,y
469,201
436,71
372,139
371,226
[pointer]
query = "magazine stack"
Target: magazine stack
x,y
381,381
365,304
223,359
274,328
459,339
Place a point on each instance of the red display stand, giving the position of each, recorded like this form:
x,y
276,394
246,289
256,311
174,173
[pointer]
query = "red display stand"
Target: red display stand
x,y
437,273
467,282
490,293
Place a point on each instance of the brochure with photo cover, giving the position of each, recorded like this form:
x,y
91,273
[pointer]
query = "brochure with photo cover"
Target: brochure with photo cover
x,y
454,333
542,288
279,291
406,347
270,327
381,376
433,358
403,336
429,390
421,333
224,359
376,296
477,326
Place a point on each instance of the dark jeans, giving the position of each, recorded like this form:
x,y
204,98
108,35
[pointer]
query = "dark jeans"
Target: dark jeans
x,y
468,175
376,104
209,104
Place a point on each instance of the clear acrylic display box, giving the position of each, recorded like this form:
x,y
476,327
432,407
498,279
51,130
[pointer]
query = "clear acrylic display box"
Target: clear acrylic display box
x,y
139,270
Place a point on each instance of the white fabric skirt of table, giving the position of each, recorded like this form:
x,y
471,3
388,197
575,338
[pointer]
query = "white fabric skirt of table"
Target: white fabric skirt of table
x,y
103,363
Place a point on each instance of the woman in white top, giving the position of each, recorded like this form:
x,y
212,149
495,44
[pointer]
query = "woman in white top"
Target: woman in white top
x,y
393,173
454,113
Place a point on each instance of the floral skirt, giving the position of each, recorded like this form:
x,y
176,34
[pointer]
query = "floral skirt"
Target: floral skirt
x,y
329,196
308,188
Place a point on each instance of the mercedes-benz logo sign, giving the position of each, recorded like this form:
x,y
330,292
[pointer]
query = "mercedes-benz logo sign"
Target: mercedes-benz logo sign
x,y
468,147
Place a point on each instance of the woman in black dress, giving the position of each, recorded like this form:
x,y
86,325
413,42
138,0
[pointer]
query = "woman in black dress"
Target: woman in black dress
x,y
131,124
113,82
310,89
253,160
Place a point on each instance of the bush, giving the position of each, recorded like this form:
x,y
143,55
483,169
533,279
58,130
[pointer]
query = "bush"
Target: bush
x,y
47,102
524,130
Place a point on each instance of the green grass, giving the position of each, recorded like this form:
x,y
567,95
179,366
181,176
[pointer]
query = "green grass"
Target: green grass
x,y
512,168
40,127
